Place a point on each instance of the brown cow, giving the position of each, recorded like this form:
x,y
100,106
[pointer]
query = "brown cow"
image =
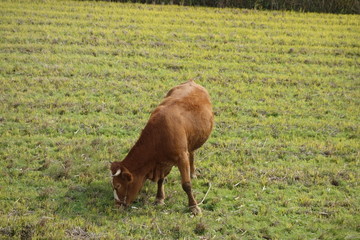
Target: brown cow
x,y
177,127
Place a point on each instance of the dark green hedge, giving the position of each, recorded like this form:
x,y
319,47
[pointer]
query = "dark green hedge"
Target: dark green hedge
x,y
328,6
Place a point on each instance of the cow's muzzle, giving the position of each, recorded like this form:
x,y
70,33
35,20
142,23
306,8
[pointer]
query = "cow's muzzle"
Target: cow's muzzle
x,y
120,204
118,201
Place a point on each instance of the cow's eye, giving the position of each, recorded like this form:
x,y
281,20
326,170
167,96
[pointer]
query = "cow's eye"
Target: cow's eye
x,y
118,186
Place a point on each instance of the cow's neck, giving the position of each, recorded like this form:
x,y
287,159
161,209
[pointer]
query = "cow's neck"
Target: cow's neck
x,y
140,160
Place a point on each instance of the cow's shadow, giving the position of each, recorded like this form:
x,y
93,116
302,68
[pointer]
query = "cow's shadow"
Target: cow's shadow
x,y
94,200
86,200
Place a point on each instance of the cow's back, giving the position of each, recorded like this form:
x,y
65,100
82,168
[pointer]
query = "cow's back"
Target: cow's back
x,y
185,117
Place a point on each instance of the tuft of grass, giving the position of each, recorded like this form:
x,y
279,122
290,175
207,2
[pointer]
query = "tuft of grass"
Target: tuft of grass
x,y
200,228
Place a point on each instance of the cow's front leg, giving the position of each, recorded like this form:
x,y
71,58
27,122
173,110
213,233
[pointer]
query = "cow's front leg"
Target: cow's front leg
x,y
192,166
160,195
184,167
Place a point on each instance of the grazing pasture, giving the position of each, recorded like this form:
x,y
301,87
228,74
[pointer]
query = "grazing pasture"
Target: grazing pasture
x,y
79,79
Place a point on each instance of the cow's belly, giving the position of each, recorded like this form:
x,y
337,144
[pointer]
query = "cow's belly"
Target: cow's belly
x,y
160,171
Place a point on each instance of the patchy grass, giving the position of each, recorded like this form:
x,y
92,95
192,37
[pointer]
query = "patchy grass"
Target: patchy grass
x,y
79,80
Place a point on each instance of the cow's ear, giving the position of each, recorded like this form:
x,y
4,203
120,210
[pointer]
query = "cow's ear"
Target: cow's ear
x,y
127,176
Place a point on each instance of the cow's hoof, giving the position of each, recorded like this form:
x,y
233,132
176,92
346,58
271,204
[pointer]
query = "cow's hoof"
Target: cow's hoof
x,y
159,202
195,210
193,176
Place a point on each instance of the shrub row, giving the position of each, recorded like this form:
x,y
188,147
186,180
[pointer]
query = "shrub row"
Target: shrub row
x,y
327,6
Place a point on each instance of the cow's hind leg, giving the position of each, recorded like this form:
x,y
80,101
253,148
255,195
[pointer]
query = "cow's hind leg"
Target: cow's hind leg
x,y
184,167
160,195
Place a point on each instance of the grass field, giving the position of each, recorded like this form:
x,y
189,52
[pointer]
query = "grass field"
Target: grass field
x,y
78,83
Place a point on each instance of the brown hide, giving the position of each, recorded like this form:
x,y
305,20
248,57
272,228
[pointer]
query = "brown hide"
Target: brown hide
x,y
177,127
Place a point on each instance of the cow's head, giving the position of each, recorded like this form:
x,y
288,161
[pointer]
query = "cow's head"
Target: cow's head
x,y
124,187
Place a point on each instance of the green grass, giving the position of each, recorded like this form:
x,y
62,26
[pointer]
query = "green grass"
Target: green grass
x,y
79,80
